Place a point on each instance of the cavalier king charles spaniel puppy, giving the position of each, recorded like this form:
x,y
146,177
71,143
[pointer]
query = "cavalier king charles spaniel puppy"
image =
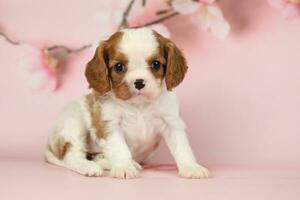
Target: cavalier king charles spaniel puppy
x,y
130,110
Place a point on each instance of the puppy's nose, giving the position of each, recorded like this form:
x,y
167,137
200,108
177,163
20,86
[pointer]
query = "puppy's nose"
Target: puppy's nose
x,y
139,84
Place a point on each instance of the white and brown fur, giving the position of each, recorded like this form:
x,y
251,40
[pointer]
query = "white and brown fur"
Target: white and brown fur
x,y
117,126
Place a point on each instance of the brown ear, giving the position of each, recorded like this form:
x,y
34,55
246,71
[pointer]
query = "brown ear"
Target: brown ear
x,y
176,65
96,71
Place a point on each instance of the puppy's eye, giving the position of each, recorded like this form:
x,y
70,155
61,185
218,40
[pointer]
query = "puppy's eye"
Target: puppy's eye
x,y
119,67
155,65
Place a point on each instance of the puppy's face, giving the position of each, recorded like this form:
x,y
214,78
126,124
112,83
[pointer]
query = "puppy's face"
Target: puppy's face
x,y
136,64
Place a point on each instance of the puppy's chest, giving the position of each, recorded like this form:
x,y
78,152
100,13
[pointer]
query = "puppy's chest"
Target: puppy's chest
x,y
141,127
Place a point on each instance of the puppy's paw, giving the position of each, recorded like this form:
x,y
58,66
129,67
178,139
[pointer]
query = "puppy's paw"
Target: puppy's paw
x,y
193,171
137,165
89,169
103,162
125,171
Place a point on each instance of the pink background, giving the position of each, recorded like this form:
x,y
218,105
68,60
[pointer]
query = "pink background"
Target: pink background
x,y
240,98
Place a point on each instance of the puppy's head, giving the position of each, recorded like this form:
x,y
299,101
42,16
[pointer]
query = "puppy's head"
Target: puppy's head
x,y
137,65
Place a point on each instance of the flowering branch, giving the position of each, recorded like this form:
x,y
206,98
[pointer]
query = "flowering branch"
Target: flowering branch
x,y
6,38
125,15
157,21
65,48
69,50
165,11
42,63
144,3
123,24
289,8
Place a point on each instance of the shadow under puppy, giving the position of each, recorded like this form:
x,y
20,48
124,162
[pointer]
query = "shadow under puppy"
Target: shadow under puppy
x,y
130,110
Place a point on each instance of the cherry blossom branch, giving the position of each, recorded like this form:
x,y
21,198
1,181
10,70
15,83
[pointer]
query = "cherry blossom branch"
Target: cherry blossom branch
x,y
125,14
165,11
144,2
162,19
123,23
9,40
69,50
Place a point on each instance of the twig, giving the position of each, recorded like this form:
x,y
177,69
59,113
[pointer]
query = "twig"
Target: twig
x,y
144,3
165,11
69,50
9,40
122,24
162,19
125,14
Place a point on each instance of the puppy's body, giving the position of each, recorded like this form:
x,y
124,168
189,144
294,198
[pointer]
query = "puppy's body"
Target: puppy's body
x,y
142,126
131,109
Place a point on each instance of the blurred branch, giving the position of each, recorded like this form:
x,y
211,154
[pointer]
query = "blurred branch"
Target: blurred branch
x,y
123,23
69,50
165,11
144,3
125,14
162,19
9,40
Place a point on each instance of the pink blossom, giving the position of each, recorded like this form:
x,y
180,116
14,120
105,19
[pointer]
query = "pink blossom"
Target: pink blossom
x,y
204,14
185,7
210,18
207,1
289,8
41,68
278,3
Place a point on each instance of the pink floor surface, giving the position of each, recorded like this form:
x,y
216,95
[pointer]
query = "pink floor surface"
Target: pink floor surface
x,y
34,179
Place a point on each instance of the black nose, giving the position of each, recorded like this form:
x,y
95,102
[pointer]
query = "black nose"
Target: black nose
x,y
139,84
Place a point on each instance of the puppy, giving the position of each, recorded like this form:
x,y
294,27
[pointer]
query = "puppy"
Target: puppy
x,y
131,108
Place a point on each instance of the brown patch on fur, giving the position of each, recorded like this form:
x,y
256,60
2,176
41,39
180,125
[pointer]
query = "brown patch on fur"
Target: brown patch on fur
x,y
120,87
94,106
112,44
97,72
176,66
122,91
59,147
117,57
100,71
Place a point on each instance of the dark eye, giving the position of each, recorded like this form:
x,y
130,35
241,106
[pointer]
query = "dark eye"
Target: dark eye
x,y
155,65
119,67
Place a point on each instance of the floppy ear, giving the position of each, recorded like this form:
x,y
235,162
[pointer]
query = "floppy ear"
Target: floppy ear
x,y
96,71
176,65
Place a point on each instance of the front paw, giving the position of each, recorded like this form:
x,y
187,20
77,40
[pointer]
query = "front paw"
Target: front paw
x,y
193,171
89,168
125,171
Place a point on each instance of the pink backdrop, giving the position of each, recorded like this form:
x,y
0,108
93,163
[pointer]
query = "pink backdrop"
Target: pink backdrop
x,y
240,99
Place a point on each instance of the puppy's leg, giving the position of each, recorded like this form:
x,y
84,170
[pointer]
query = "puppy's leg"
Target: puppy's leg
x,y
119,156
178,144
75,159
67,143
72,155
